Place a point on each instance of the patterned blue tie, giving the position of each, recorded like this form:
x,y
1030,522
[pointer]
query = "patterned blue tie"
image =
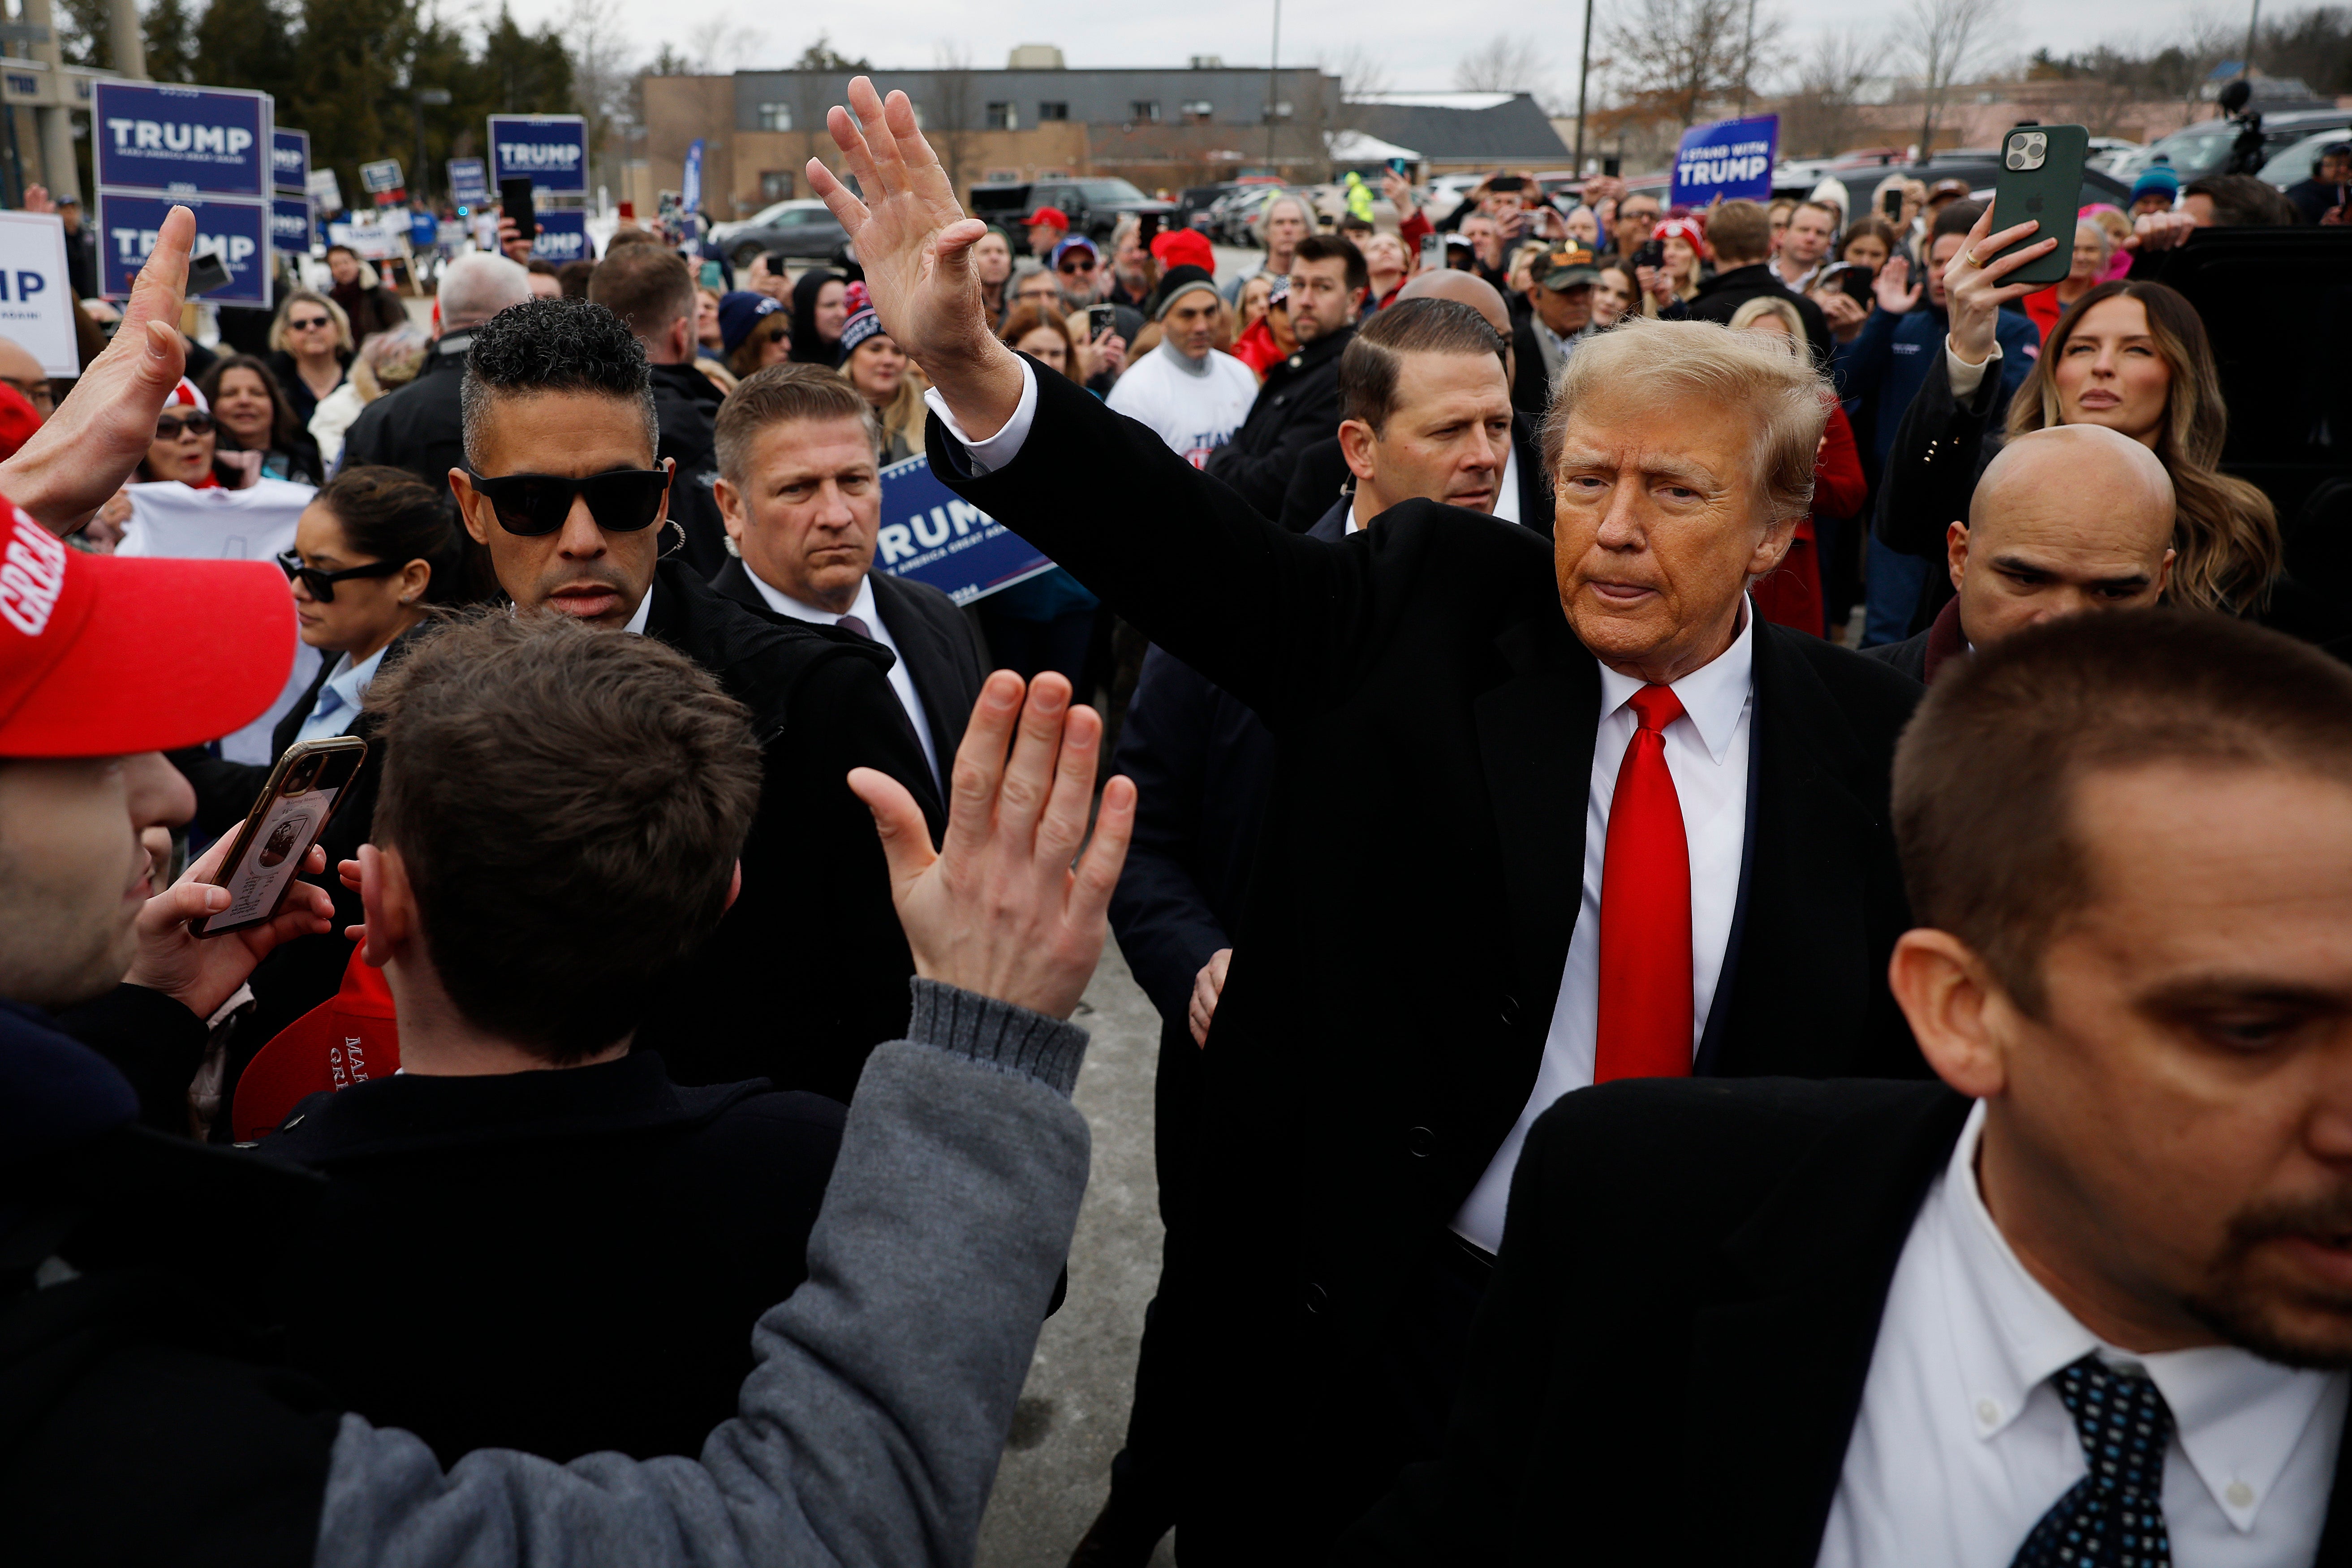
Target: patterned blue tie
x,y
2114,1517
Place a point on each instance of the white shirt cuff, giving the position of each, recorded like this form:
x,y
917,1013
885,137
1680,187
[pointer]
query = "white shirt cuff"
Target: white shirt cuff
x,y
1966,377
987,456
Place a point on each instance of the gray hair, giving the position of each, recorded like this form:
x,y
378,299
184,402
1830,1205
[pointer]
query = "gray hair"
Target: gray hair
x,y
477,287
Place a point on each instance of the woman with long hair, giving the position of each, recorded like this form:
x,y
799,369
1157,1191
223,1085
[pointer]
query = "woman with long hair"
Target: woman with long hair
x,y
253,414
819,307
2132,356
874,363
1685,240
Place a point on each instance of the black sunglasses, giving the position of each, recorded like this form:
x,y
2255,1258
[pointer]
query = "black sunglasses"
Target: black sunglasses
x,y
310,323
1076,263
622,501
322,583
169,425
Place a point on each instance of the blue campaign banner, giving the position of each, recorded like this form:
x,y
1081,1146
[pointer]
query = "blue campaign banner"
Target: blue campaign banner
x,y
470,182
1731,159
550,150
563,237
289,160
238,232
933,535
185,141
289,225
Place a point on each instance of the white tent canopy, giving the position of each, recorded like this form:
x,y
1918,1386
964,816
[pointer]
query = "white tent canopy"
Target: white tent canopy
x,y
1359,147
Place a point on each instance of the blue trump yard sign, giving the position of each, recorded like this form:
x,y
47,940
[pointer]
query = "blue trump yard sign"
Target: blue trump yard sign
x,y
563,237
182,141
933,535
238,232
1730,159
289,160
468,182
550,150
289,225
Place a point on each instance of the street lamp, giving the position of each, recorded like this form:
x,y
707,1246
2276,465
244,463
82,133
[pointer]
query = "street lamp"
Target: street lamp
x,y
425,98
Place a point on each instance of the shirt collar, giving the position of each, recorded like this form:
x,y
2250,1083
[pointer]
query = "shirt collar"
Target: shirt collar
x,y
1713,695
351,680
784,603
644,612
2238,1417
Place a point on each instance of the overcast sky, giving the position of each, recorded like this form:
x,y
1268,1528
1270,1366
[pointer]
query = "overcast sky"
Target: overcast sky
x,y
1418,43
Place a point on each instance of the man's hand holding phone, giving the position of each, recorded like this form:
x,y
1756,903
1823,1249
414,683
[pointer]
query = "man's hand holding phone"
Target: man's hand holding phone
x,y
201,974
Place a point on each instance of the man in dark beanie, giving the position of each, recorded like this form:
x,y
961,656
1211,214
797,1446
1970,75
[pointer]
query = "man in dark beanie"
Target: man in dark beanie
x,y
1194,395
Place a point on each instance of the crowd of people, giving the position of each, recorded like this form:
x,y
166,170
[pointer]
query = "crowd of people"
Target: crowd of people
x,y
1606,1019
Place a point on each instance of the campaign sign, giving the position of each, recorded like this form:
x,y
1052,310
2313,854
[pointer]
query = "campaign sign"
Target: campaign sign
x,y
187,140
470,182
380,177
35,294
549,149
689,199
326,191
238,232
289,225
1730,159
289,160
563,237
933,535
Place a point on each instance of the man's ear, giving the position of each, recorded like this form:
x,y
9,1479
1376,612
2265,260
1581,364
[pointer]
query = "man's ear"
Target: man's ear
x,y
462,486
1956,552
681,338
1356,440
1955,1009
388,904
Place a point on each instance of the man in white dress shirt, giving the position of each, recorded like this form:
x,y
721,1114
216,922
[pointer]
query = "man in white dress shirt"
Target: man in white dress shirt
x,y
2089,1301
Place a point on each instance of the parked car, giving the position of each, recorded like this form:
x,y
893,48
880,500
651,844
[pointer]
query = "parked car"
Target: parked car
x,y
1093,204
804,230
2203,149
2298,161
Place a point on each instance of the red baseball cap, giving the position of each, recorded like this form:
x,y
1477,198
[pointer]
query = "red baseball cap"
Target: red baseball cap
x,y
102,656
1054,216
1184,247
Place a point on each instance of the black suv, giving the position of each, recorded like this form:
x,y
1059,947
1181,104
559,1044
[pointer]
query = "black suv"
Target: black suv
x,y
1094,205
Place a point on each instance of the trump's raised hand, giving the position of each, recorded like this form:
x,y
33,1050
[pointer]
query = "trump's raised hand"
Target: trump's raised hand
x,y
912,238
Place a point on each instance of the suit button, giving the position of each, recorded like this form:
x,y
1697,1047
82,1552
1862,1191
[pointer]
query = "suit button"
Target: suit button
x,y
1420,1142
1318,1300
1510,1012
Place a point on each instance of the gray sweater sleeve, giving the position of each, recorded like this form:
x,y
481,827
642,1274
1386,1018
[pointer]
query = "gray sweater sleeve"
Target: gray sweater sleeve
x,y
869,1430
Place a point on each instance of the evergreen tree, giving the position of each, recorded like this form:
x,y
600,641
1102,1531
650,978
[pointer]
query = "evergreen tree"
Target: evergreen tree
x,y
241,43
169,30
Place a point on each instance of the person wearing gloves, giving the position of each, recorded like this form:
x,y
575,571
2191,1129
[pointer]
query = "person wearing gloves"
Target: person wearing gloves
x,y
1190,393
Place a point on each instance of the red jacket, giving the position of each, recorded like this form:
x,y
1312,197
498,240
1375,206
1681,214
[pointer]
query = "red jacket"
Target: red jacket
x,y
1790,595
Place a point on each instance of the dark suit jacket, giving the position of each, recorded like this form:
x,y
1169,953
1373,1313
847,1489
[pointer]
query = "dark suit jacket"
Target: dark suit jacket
x,y
1739,1264
1530,388
1297,405
808,971
1416,887
418,427
685,402
942,651
1321,477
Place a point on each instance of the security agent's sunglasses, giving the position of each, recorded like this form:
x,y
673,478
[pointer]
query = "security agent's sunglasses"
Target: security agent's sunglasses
x,y
322,583
622,501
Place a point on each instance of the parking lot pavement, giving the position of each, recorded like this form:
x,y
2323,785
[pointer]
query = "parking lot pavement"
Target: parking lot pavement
x,y
1073,1412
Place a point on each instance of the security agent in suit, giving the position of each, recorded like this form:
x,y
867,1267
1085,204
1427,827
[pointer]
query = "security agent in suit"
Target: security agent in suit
x,y
1419,975
650,287
420,426
1852,1324
801,495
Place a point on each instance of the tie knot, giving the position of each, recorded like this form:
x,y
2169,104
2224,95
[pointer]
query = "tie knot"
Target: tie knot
x,y
1656,707
854,624
2122,1420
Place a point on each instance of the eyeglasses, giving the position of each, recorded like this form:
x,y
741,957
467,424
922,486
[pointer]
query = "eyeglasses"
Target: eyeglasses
x,y
622,501
169,425
36,393
310,323
322,583
1076,263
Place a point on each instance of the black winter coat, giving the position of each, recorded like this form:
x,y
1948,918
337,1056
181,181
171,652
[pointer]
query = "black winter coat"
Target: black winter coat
x,y
1297,405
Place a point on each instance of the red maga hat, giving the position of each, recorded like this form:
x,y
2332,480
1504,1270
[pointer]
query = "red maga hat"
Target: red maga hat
x,y
1054,216
102,655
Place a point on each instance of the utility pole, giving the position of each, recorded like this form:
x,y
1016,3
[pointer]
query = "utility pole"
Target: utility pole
x,y
1583,76
1747,61
129,42
1273,81
431,97
2254,23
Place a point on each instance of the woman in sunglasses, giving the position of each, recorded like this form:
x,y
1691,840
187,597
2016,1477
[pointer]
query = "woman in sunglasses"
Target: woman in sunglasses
x,y
187,445
309,349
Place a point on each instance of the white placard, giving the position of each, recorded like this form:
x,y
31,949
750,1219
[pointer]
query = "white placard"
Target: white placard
x,y
36,295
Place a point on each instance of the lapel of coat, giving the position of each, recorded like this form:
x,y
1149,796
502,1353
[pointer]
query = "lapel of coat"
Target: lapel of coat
x,y
1535,738
734,581
1788,1349
930,665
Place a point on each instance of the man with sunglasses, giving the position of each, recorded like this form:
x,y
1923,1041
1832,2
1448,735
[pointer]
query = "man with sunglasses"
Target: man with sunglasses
x,y
1084,278
563,488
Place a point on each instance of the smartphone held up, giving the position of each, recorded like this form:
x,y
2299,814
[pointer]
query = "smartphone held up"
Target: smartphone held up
x,y
301,795
2041,182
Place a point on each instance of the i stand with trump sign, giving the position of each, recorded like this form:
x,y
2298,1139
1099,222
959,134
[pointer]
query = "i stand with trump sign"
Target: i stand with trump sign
x,y
36,295
1728,161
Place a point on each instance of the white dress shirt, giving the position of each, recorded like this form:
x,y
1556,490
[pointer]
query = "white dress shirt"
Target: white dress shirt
x,y
1962,1443
337,707
644,612
865,610
1707,754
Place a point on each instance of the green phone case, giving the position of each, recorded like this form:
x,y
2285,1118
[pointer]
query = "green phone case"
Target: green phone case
x,y
2047,188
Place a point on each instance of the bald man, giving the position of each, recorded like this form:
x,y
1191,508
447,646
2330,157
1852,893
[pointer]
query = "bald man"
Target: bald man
x,y
1523,492
2074,518
20,370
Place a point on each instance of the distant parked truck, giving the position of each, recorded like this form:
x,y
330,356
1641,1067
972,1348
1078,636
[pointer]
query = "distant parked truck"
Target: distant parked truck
x,y
1093,204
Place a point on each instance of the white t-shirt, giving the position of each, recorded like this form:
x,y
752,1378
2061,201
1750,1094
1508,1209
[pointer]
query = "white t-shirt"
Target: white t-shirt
x,y
1195,411
170,519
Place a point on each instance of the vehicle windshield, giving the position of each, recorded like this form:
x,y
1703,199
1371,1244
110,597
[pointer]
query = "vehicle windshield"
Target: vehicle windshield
x,y
2194,153
2295,161
1109,191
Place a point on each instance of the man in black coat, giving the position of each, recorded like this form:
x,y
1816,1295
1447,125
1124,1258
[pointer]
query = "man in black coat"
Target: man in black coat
x,y
1852,1324
1298,404
418,427
650,289
802,497
1416,975
809,969
1739,238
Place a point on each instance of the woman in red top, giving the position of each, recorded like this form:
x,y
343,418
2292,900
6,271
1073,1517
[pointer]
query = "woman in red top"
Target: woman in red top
x,y
1790,595
2093,248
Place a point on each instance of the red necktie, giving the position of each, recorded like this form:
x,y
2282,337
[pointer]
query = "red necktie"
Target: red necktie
x,y
1644,1028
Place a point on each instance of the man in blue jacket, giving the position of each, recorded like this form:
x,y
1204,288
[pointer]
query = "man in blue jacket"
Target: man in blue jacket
x,y
1879,375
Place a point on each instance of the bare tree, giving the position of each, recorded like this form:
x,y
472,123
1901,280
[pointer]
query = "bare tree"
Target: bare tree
x,y
1942,40
718,45
1822,117
1509,63
1680,55
1361,73
603,80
